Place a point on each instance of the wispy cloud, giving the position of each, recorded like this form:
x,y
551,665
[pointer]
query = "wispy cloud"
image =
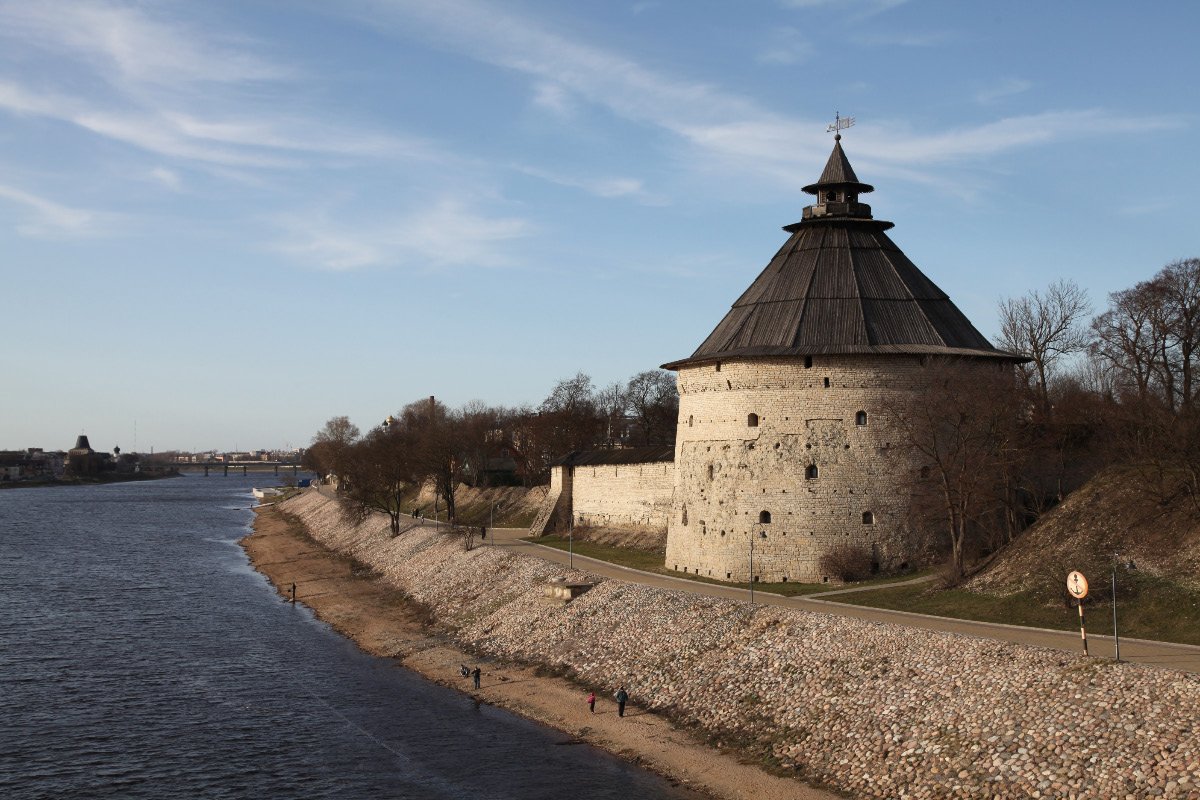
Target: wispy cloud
x,y
153,92
554,98
448,233
725,127
600,187
901,39
46,218
786,46
1002,89
881,5
168,178
128,42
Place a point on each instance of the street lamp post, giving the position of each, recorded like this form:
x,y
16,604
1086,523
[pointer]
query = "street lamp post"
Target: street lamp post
x,y
1116,637
571,541
753,535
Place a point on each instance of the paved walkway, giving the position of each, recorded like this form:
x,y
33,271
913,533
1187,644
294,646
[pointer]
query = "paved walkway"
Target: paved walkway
x,y
1175,656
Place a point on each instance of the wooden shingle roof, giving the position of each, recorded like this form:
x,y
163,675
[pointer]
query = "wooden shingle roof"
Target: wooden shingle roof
x,y
839,285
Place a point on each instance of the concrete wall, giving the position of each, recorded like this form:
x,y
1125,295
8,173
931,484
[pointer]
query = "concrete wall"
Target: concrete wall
x,y
728,471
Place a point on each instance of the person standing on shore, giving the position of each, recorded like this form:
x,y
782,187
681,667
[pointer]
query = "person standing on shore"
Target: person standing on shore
x,y
462,670
592,702
475,674
622,697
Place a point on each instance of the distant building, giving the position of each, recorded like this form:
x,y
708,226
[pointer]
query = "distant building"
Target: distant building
x,y
83,460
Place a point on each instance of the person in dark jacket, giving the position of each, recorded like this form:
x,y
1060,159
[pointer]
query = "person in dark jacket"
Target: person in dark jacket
x,y
475,674
462,670
622,697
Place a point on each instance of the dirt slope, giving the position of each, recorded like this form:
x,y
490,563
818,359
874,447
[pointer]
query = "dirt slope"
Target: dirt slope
x,y
1107,514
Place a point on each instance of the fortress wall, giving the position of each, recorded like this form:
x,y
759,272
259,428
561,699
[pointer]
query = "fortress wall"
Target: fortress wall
x,y
872,710
623,495
729,471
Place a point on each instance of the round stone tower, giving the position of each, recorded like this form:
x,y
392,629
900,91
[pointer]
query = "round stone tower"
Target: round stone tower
x,y
781,440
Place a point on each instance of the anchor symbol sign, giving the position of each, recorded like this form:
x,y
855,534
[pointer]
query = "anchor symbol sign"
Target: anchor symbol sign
x,y
1077,585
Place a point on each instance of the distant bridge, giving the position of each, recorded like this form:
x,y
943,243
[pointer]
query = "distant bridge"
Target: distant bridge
x,y
259,466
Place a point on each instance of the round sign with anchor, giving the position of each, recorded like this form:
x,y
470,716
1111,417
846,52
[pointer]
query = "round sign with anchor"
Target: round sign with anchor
x,y
1077,585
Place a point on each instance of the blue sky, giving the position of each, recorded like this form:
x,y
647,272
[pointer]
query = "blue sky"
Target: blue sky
x,y
230,221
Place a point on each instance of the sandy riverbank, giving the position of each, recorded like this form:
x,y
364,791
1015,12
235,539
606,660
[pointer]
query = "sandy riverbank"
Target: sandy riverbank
x,y
380,620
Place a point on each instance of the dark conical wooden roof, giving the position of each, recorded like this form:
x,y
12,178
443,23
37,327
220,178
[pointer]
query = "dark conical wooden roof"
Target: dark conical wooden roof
x,y
841,286
838,172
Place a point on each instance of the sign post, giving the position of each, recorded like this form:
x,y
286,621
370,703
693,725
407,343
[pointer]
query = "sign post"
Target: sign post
x,y
1077,585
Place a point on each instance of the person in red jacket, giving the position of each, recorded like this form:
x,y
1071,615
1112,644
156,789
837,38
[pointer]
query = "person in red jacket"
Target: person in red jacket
x,y
592,702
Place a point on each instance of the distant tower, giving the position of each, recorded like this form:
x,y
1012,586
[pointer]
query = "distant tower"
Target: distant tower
x,y
779,436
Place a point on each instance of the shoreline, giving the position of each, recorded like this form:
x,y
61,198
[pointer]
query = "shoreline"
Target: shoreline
x,y
120,477
383,622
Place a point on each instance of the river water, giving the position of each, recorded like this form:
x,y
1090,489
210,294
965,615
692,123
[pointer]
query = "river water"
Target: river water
x,y
141,657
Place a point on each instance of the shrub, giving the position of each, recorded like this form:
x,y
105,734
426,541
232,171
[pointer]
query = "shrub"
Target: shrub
x,y
846,562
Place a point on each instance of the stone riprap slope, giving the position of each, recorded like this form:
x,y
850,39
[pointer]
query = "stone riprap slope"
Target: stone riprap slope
x,y
872,709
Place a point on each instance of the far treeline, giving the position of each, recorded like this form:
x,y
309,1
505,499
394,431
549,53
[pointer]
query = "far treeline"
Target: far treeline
x,y
427,442
1118,389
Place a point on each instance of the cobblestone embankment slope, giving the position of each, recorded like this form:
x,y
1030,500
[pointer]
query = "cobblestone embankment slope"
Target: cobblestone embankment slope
x,y
875,710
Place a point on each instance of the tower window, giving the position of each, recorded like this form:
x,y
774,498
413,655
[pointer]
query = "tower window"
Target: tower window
x,y
752,420
868,518
860,418
764,517
683,520
827,383
718,366
690,420
808,362
710,472
810,472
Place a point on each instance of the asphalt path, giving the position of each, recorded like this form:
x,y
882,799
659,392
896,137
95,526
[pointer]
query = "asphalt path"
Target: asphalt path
x,y
1161,654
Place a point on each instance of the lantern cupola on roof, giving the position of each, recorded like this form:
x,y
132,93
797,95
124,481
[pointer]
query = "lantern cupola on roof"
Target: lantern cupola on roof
x,y
837,192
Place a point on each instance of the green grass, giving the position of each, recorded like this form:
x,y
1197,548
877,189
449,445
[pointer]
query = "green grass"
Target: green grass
x,y
1151,608
622,556
655,562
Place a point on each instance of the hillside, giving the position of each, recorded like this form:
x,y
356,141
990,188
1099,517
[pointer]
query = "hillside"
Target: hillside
x,y
1107,514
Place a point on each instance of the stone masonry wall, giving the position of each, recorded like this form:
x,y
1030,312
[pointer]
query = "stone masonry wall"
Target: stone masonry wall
x,y
750,432
873,710
623,495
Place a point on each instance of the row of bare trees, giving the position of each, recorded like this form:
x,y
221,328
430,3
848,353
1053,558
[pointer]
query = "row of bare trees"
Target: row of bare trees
x,y
427,442
995,449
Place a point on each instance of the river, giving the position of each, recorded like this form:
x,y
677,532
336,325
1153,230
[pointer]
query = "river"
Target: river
x,y
141,657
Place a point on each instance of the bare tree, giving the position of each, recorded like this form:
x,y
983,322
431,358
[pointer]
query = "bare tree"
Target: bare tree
x,y
332,444
956,429
1046,329
381,468
654,402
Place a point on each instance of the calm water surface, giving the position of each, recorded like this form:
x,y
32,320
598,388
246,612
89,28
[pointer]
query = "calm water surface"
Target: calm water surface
x,y
141,657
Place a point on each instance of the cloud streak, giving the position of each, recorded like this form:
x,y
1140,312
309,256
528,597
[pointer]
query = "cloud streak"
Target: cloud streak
x,y
447,234
723,126
48,218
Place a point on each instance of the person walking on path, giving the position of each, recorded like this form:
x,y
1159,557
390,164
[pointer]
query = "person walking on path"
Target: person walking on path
x,y
621,697
462,670
475,674
592,702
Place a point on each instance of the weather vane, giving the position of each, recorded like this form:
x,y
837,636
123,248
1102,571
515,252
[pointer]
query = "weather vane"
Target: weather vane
x,y
839,124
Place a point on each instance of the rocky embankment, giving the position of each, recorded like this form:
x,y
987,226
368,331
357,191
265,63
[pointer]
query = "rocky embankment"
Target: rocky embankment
x,y
871,709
